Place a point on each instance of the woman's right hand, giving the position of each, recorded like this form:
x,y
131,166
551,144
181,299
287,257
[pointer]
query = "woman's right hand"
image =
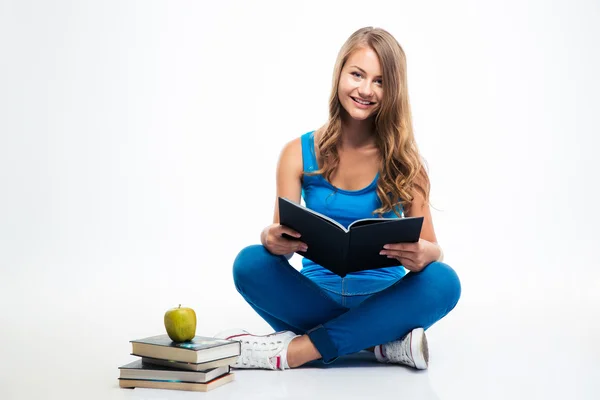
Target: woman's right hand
x,y
276,244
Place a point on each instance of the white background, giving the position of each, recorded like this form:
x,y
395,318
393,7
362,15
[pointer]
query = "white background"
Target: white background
x,y
138,146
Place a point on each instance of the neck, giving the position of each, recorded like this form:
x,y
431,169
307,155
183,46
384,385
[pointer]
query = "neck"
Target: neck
x,y
357,134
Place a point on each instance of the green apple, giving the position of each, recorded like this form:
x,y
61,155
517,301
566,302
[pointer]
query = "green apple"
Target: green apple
x,y
180,323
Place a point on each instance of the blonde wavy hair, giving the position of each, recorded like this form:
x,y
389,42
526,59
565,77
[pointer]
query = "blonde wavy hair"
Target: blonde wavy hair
x,y
402,172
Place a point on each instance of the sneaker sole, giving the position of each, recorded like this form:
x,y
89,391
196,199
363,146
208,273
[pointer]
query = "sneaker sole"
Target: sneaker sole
x,y
419,348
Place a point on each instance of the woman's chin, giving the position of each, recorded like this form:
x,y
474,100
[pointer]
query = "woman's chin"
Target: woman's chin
x,y
360,116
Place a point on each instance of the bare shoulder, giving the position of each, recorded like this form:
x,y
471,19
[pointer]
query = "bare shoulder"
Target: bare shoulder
x,y
290,158
289,174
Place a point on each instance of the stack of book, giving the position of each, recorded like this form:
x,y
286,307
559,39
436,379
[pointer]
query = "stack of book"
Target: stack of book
x,y
201,364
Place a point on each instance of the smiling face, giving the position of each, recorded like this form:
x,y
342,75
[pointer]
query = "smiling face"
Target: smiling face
x,y
360,89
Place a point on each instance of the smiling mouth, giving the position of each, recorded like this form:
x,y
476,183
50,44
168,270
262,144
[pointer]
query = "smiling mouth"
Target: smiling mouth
x,y
362,102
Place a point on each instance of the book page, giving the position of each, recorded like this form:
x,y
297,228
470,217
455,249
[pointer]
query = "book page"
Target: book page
x,y
318,214
370,221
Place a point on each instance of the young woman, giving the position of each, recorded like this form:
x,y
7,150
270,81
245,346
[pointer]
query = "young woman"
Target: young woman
x,y
362,163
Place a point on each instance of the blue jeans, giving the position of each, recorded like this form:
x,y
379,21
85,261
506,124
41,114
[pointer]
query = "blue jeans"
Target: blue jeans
x,y
338,324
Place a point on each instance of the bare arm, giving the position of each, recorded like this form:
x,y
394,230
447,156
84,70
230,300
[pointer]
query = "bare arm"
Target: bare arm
x,y
289,173
416,256
419,208
288,180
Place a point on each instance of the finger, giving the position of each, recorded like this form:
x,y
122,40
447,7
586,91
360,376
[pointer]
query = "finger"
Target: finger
x,y
408,264
291,245
289,231
409,247
405,262
302,247
286,248
403,258
296,245
400,254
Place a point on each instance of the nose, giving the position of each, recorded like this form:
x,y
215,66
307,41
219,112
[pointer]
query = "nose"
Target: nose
x,y
364,90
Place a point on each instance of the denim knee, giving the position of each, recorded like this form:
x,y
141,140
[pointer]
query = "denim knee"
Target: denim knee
x,y
250,263
447,283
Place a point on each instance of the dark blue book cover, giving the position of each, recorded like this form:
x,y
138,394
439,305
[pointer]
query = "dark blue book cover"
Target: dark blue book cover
x,y
344,250
200,349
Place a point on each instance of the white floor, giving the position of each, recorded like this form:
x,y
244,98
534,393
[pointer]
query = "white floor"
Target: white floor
x,y
138,145
65,344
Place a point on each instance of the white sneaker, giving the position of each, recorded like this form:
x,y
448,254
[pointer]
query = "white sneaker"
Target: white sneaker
x,y
410,350
266,352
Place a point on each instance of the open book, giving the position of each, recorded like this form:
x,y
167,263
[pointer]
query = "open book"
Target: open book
x,y
342,250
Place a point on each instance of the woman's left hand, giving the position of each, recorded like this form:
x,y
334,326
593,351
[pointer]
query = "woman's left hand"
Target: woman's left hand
x,y
413,256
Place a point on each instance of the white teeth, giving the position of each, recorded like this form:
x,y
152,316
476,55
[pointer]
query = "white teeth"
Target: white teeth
x,y
362,102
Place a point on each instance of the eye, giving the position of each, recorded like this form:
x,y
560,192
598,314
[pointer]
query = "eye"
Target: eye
x,y
379,82
356,74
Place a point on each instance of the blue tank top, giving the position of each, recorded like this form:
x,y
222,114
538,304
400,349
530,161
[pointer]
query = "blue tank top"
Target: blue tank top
x,y
344,206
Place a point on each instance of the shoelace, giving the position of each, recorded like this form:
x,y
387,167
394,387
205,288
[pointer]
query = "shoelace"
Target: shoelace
x,y
255,353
